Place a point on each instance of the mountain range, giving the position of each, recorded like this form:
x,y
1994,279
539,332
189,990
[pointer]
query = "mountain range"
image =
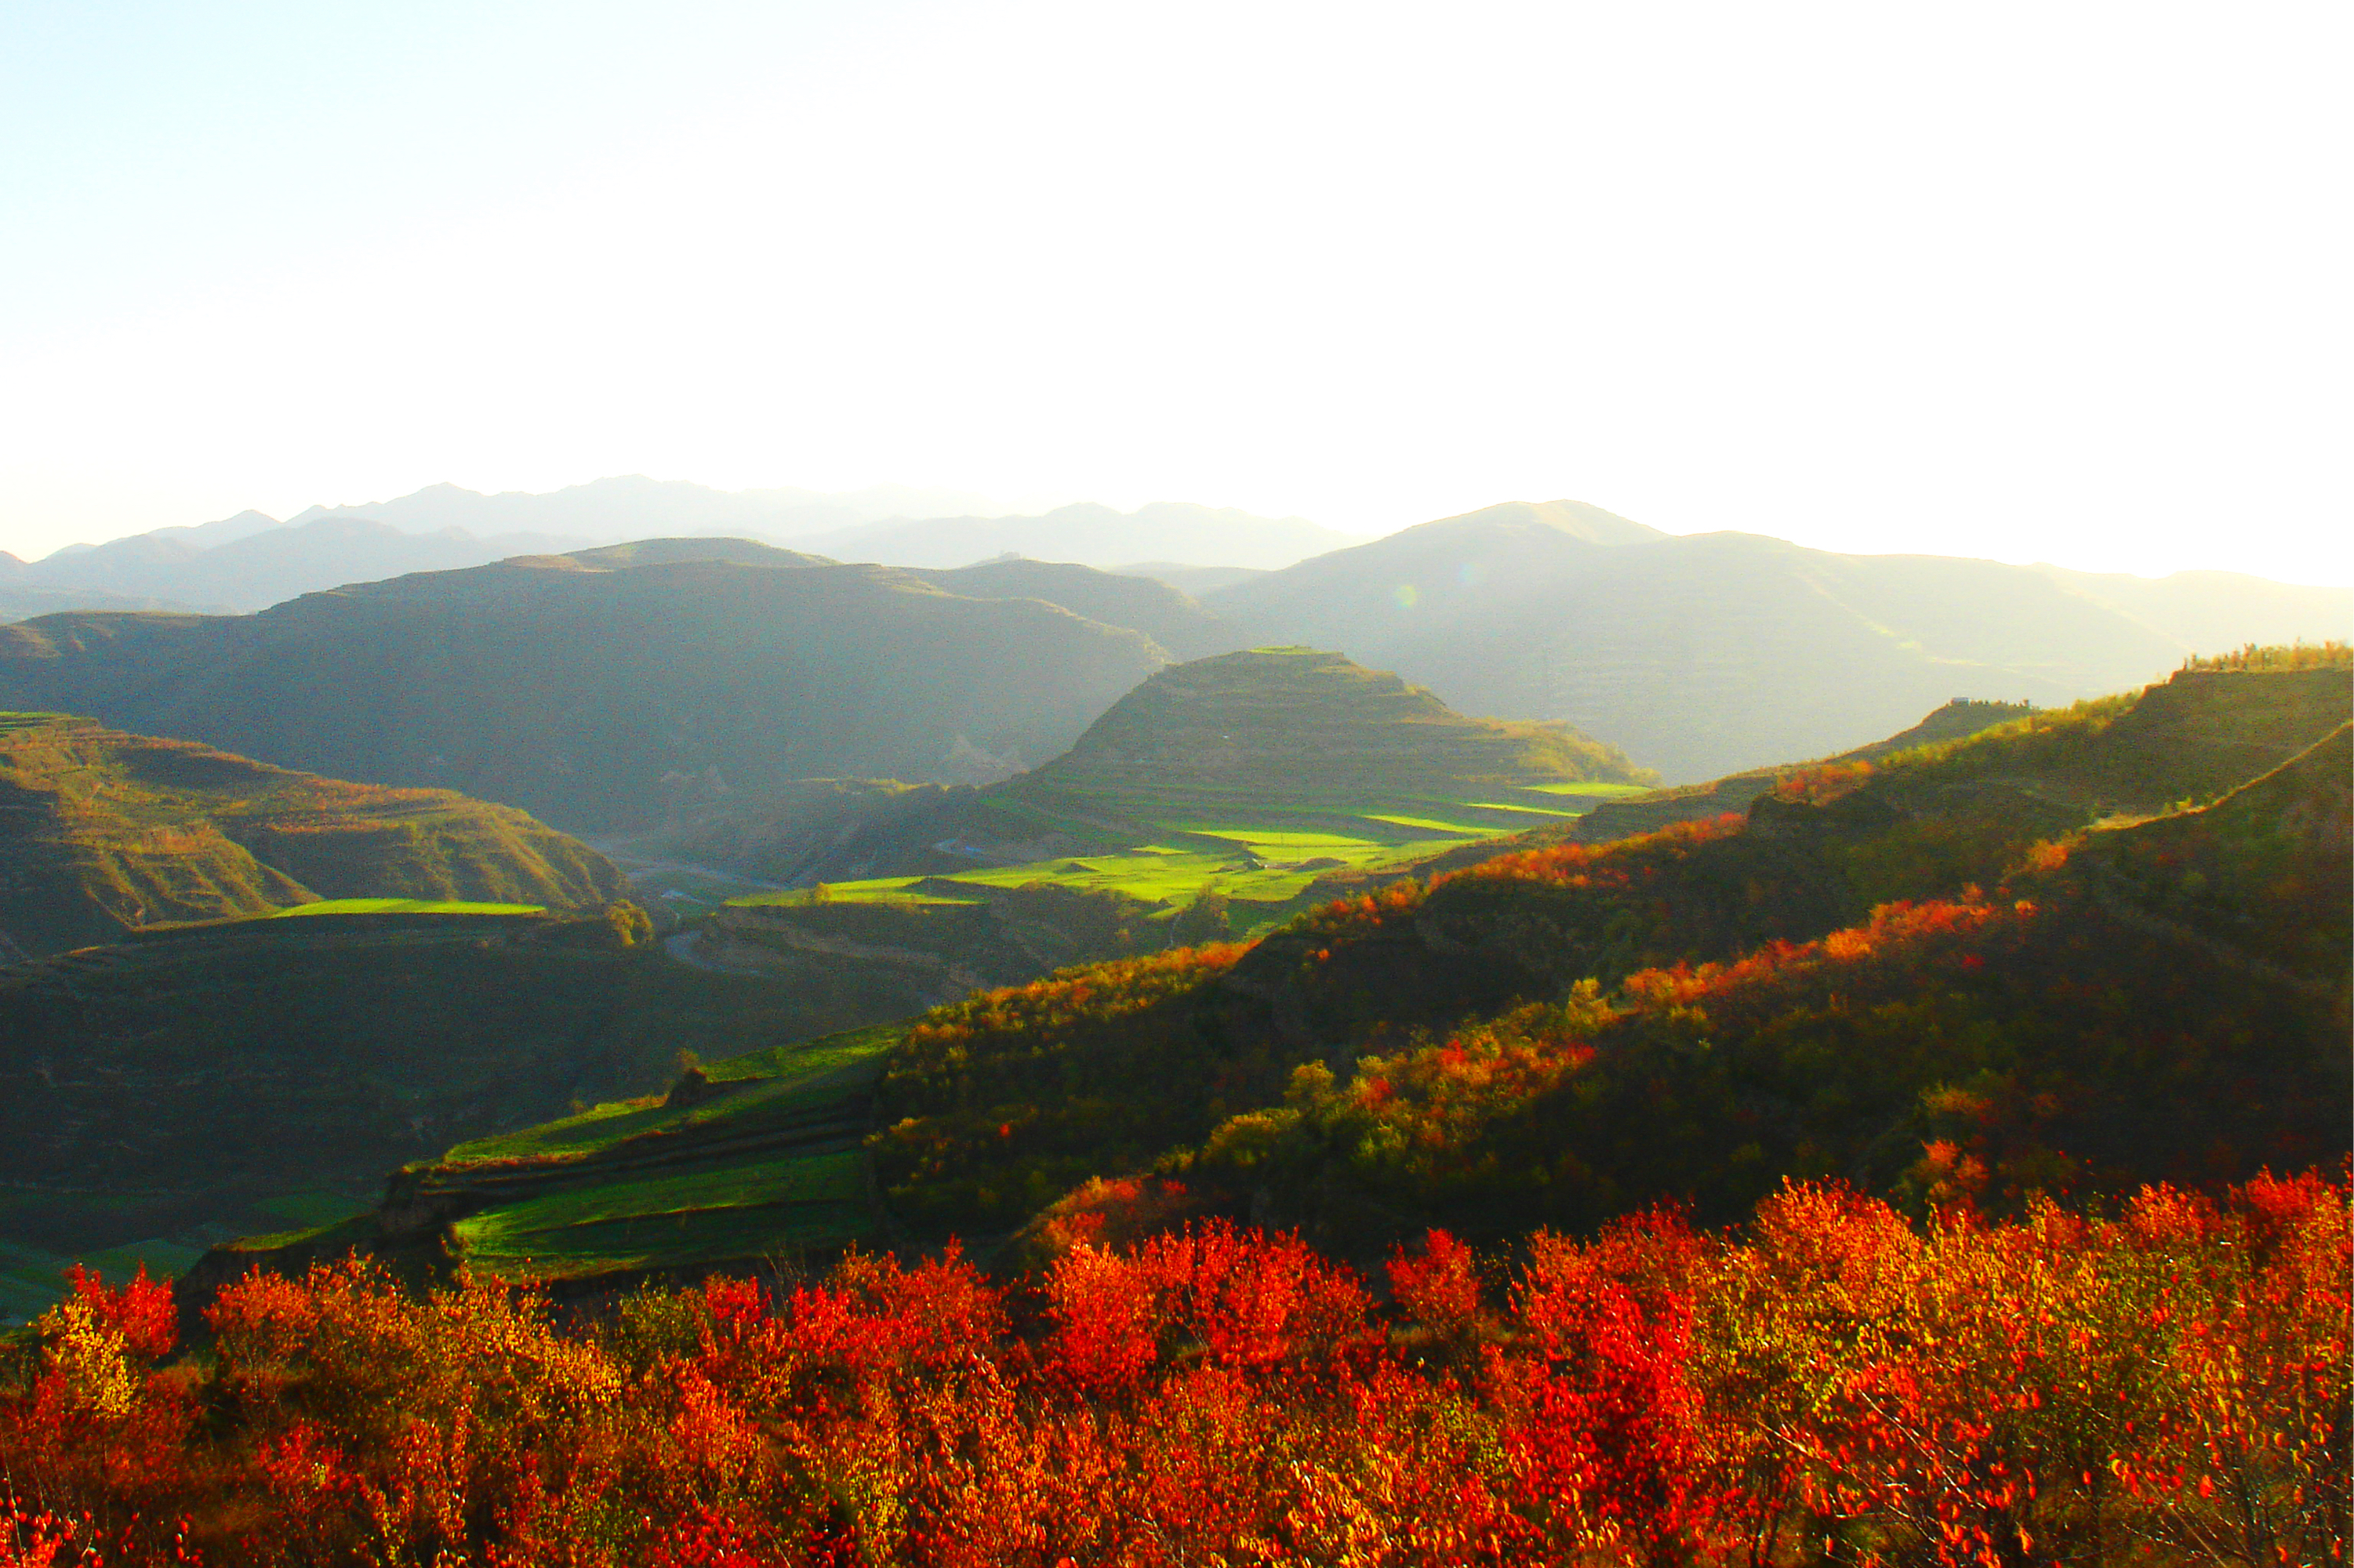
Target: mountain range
x,y
1703,654
252,560
1171,534
600,689
1697,655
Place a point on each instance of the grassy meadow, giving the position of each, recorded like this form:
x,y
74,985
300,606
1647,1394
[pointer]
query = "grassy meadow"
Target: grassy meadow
x,y
1264,855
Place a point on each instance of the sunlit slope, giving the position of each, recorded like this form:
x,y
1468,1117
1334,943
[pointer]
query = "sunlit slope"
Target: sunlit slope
x,y
755,1159
607,691
1767,1020
1369,975
101,831
2161,1001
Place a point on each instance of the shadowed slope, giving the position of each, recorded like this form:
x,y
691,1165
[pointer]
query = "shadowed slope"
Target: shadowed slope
x,y
604,690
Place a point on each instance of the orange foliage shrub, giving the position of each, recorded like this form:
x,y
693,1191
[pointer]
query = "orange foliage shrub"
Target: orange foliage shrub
x,y
1830,1384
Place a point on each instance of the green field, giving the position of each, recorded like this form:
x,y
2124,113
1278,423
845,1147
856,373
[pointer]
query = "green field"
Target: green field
x,y
403,906
767,1166
1594,788
32,1279
1264,855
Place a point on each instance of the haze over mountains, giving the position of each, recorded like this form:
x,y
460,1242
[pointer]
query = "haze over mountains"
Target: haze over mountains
x,y
251,561
1697,655
1702,654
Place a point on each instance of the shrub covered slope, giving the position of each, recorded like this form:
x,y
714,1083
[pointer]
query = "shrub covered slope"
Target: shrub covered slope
x,y
1948,971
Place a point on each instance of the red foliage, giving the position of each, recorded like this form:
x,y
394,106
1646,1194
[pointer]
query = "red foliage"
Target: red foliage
x,y
143,1311
1439,1288
1834,1384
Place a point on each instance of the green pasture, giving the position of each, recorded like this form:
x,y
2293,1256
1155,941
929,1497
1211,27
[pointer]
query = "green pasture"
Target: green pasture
x,y
1597,790
401,906
731,1210
758,1170
1156,876
1196,835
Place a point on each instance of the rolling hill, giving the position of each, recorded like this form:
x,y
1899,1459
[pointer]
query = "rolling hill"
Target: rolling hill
x,y
104,832
21,601
1705,654
1206,802
603,690
1243,768
190,1083
1982,965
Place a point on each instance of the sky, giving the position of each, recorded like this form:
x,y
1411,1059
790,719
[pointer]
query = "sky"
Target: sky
x,y
2049,281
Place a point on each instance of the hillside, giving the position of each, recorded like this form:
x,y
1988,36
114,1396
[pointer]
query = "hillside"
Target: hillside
x,y
2079,1031
18,602
1142,604
607,689
1239,767
1706,654
197,1083
1419,962
1580,1030
102,833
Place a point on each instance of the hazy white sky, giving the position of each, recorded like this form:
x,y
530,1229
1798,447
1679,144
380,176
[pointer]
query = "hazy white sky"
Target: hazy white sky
x,y
2048,280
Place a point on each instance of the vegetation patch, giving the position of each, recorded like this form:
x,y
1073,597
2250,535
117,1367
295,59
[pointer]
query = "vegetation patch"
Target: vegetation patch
x,y
406,907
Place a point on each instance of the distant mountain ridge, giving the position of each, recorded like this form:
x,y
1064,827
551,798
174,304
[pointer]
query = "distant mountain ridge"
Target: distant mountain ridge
x,y
252,571
1705,654
634,504
251,561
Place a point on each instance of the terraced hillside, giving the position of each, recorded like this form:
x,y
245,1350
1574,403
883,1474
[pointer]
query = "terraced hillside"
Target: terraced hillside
x,y
1252,771
2091,1033
104,832
197,1083
756,1158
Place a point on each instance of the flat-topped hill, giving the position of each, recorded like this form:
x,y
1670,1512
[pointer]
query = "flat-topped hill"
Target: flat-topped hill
x,y
104,832
1297,721
1285,752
